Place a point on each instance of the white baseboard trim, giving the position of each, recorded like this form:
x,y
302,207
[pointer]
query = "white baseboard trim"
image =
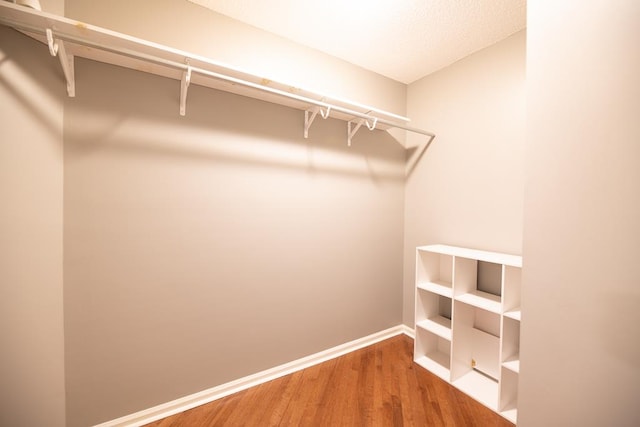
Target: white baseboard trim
x,y
411,333
188,402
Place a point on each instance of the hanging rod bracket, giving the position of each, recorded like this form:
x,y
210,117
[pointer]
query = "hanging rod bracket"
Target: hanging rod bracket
x,y
373,125
310,116
53,46
57,48
184,86
352,128
354,125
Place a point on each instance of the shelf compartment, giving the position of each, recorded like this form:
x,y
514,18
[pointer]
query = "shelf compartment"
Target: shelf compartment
x,y
434,310
482,388
438,325
489,278
509,395
437,363
435,269
485,354
483,300
512,289
478,283
511,344
433,353
475,341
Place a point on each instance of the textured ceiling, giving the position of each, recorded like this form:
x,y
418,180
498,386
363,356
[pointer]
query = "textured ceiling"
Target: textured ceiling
x,y
401,39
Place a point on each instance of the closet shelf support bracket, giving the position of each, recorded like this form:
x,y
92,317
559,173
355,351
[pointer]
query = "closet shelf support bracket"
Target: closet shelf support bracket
x,y
354,125
351,130
184,86
56,48
310,116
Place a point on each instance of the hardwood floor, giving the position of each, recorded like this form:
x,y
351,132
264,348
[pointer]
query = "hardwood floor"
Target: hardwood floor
x,y
376,386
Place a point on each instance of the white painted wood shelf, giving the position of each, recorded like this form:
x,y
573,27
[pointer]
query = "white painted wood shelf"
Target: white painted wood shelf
x,y
512,364
513,314
479,386
68,38
438,325
436,363
440,288
467,319
511,414
483,300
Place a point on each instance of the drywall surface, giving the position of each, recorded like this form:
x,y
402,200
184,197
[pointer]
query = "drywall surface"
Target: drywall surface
x,y
185,25
205,248
31,307
52,6
580,346
467,188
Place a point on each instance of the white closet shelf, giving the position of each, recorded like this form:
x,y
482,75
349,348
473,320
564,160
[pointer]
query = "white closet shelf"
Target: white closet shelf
x,y
437,363
68,38
515,314
440,288
512,364
479,386
483,300
438,325
511,414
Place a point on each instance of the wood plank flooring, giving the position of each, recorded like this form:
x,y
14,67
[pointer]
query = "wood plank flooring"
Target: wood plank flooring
x,y
376,386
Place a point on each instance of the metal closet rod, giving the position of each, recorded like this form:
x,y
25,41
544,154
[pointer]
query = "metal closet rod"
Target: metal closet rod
x,y
186,67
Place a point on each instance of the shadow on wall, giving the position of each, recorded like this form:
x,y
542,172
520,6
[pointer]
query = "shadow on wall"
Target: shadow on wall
x,y
16,67
414,155
138,113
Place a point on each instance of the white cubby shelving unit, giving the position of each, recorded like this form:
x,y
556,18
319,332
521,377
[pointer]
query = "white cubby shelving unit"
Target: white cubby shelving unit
x,y
467,322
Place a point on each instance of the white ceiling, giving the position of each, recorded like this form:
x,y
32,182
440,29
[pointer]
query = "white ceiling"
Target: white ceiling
x,y
401,39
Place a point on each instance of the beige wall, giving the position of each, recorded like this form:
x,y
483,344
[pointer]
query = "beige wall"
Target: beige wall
x,y
201,249
467,189
204,248
31,313
580,359
52,6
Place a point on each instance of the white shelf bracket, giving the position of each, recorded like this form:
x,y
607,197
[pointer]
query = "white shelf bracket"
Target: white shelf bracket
x,y
184,86
56,48
310,116
372,126
351,131
53,45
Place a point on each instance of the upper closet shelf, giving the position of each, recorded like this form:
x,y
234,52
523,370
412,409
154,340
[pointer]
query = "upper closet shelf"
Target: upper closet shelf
x,y
68,38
